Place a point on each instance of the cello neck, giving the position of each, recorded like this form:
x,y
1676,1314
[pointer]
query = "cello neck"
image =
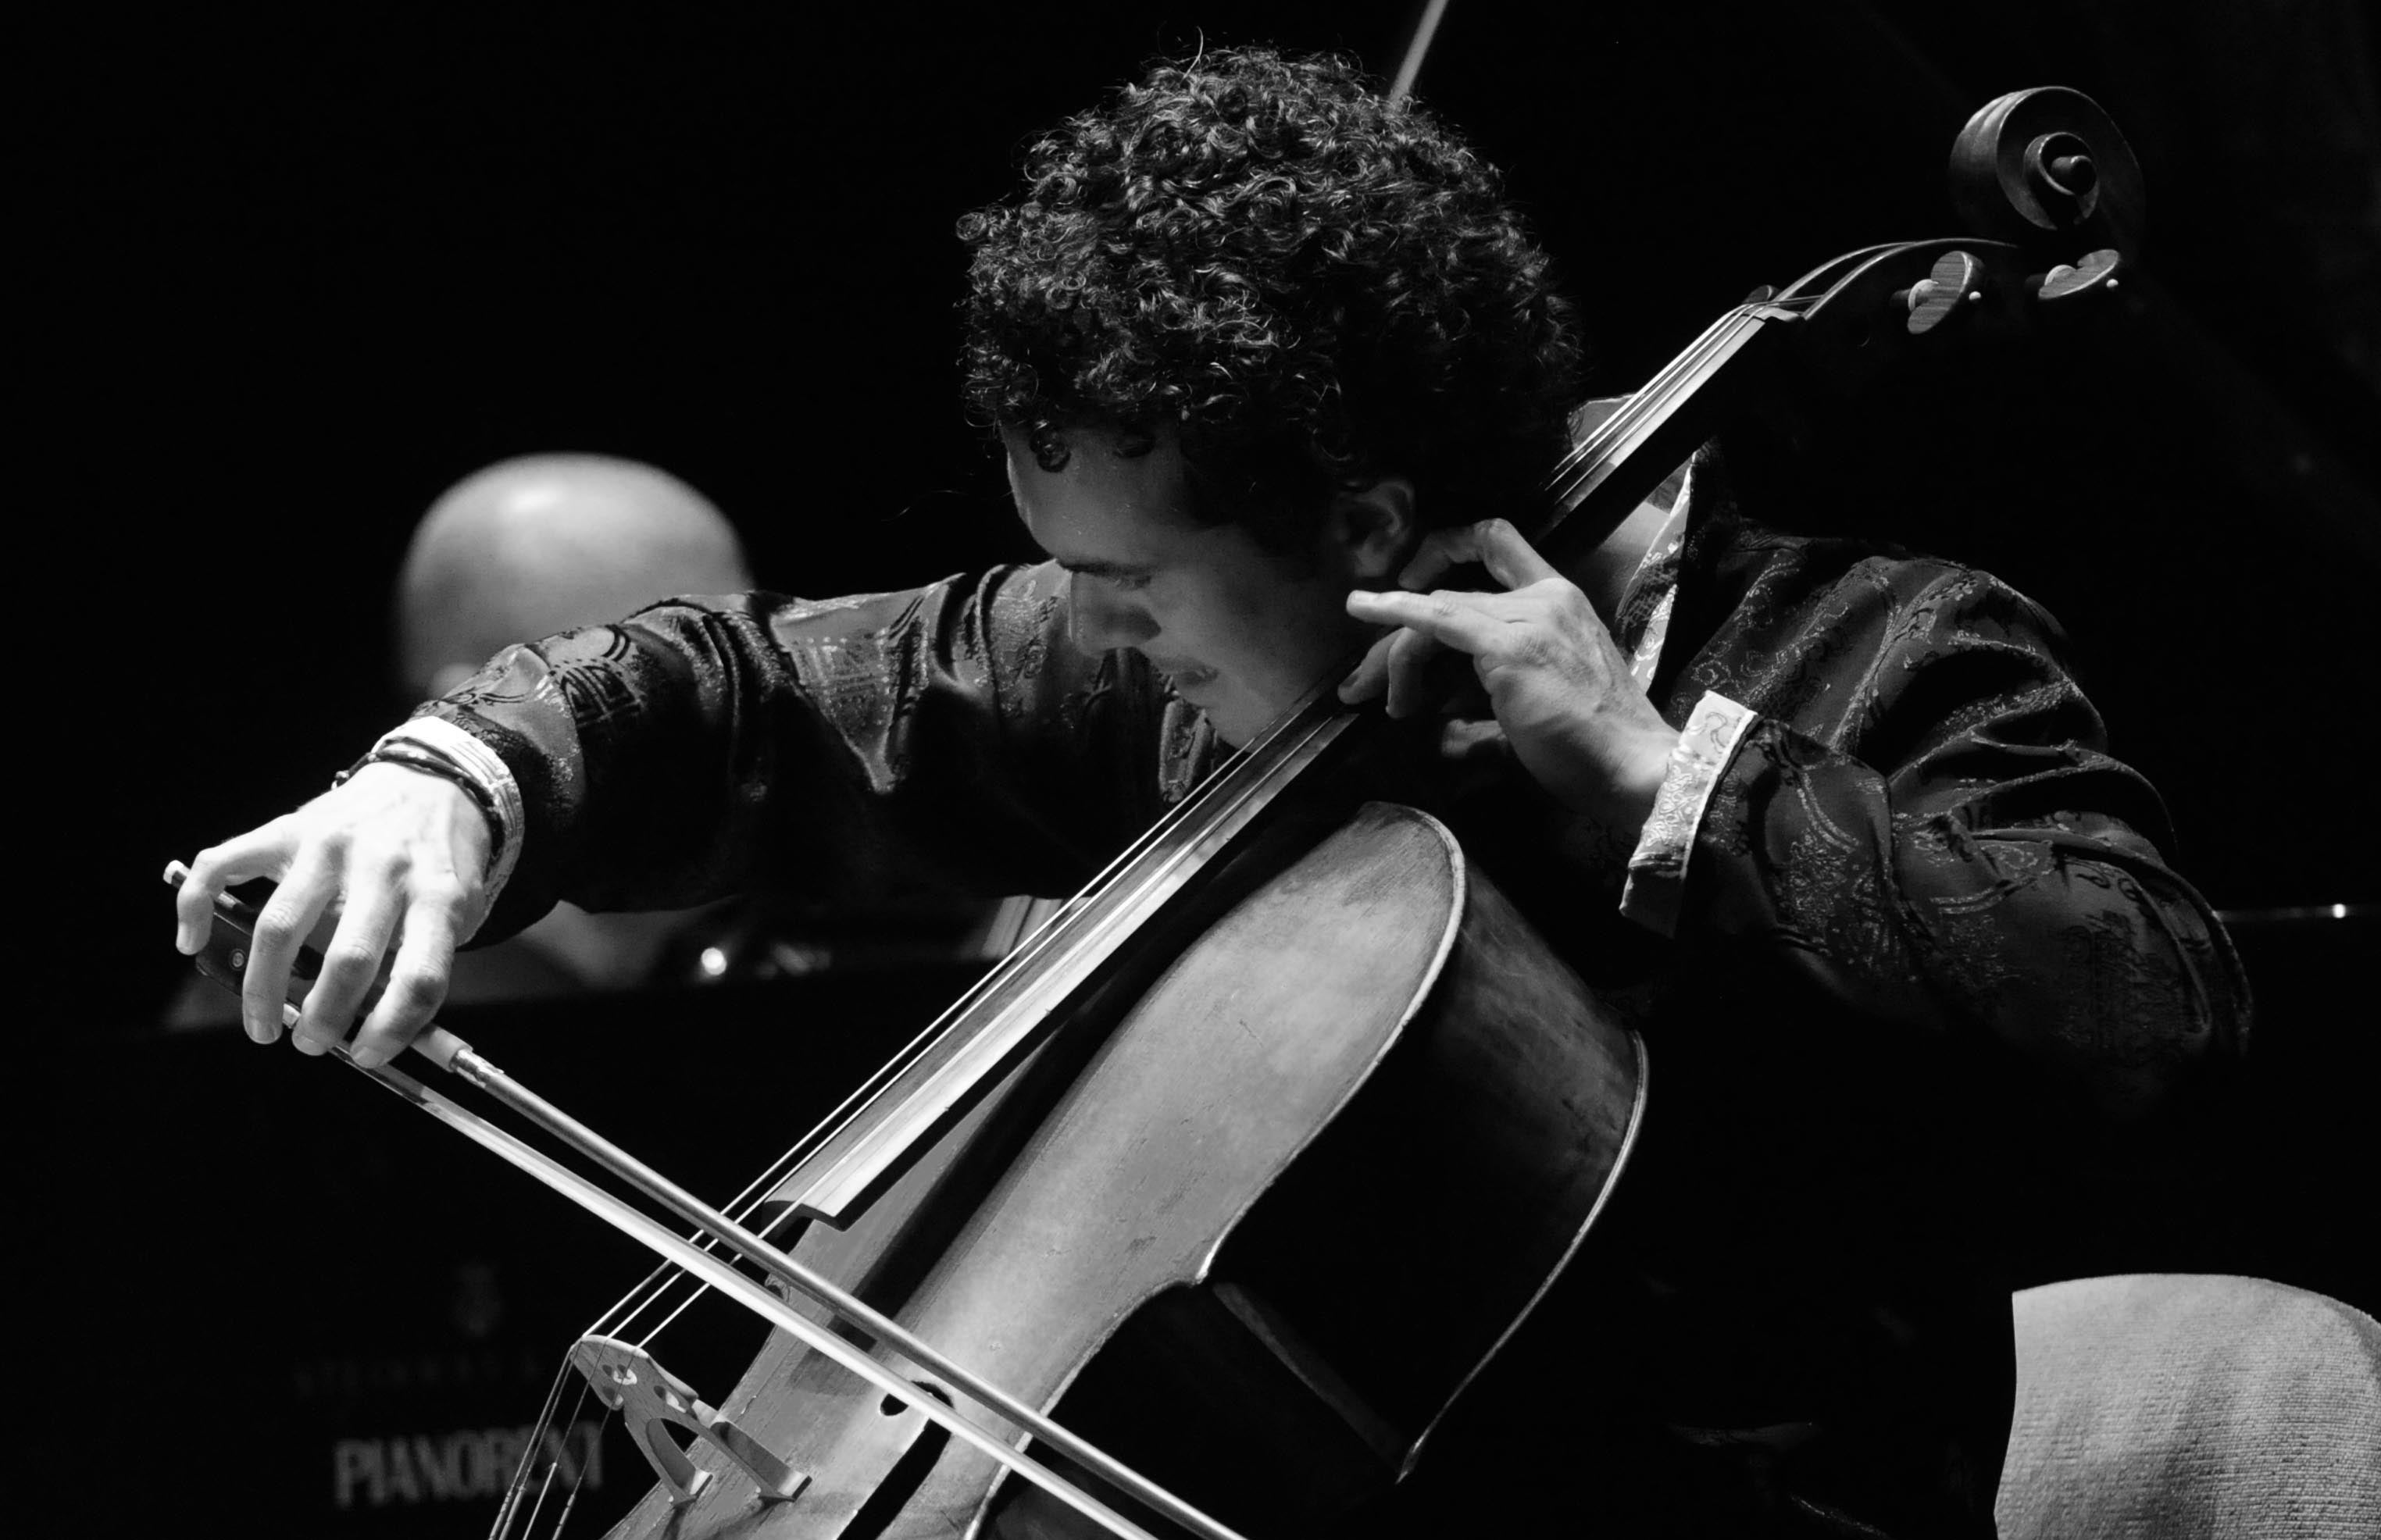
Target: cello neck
x,y
1623,451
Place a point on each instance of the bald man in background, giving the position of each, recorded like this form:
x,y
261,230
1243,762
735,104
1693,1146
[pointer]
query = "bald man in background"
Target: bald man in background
x,y
545,543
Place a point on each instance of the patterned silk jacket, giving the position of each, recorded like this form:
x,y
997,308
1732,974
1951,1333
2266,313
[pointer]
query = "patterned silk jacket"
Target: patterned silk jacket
x,y
1900,901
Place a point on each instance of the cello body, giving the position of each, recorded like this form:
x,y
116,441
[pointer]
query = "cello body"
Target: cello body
x,y
1252,1235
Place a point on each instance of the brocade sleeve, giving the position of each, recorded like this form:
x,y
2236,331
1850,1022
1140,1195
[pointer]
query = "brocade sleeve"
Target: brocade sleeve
x,y
1922,821
946,737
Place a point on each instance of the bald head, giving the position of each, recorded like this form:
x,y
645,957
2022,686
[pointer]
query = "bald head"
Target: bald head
x,y
529,547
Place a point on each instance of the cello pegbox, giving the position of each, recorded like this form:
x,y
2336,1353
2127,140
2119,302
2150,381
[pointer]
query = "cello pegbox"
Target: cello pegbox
x,y
650,1401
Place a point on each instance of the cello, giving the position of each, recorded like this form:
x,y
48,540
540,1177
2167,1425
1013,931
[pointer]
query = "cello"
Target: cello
x,y
1025,1108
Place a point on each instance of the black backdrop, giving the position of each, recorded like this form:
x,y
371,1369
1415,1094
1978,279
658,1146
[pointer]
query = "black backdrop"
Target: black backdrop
x,y
300,270
297,269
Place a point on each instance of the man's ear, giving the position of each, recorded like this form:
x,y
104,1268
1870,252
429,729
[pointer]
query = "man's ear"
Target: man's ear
x,y
1377,527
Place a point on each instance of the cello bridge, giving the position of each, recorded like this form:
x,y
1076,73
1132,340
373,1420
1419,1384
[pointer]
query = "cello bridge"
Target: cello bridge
x,y
650,1401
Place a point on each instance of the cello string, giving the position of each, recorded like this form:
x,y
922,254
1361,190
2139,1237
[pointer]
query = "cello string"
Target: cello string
x,y
539,1444
621,1321
1647,405
1048,941
528,1460
1600,439
1101,922
696,1289
1045,936
562,1520
651,1294
545,1489
1155,854
609,1323
969,1054
671,1319
1688,374
555,1444
1656,395
561,1447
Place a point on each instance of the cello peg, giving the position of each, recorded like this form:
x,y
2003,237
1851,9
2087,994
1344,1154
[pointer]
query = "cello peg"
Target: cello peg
x,y
1956,280
2095,270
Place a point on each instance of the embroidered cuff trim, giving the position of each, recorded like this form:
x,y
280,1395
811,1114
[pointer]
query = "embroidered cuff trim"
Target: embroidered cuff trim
x,y
1658,872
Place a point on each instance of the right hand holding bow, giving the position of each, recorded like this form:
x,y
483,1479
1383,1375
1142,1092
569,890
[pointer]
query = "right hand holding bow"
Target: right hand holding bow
x,y
399,857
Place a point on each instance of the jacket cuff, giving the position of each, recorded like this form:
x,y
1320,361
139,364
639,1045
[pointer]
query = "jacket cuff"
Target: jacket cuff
x,y
1657,870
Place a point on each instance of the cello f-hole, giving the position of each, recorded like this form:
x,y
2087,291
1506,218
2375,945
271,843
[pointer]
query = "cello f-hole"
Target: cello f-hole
x,y
908,1474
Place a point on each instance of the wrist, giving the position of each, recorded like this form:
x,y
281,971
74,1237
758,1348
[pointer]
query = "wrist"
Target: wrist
x,y
422,762
1617,782
439,749
1638,785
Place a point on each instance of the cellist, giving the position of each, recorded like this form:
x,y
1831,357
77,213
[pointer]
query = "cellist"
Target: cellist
x,y
1266,355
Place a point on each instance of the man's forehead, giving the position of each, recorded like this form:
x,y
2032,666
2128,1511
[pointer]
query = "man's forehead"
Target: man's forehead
x,y
1130,452
1103,489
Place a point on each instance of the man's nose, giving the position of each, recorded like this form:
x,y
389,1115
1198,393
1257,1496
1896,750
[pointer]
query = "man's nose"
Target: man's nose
x,y
1100,619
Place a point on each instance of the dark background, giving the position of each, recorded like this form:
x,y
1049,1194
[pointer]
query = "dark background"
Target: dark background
x,y
297,271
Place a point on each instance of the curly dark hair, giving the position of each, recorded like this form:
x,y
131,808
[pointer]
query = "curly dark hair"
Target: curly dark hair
x,y
1314,286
